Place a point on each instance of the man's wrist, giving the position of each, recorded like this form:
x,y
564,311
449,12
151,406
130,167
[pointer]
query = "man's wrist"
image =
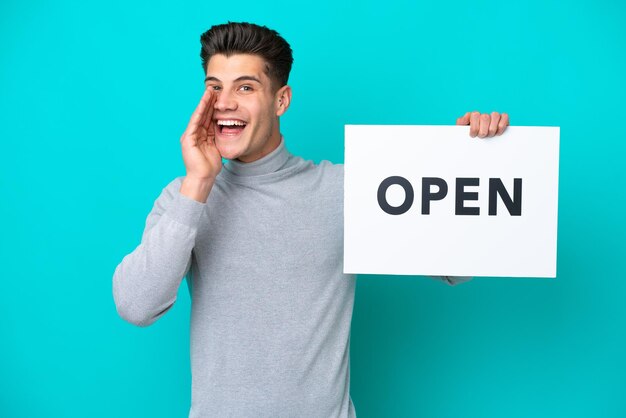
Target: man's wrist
x,y
197,189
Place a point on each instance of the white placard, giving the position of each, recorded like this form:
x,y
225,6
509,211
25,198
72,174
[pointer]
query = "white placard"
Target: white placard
x,y
440,233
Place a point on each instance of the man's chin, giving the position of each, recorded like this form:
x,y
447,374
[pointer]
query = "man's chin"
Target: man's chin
x,y
232,156
228,151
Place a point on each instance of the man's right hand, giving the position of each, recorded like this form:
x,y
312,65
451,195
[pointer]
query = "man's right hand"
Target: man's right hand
x,y
202,159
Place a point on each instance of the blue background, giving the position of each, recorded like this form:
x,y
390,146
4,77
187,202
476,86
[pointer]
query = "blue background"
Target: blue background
x,y
94,98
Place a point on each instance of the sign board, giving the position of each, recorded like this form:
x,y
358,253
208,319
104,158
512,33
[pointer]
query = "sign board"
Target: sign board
x,y
431,200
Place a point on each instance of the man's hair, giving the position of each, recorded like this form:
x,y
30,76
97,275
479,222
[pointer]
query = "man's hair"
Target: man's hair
x,y
247,38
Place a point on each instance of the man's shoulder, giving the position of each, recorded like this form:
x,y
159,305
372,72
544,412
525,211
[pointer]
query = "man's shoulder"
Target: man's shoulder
x,y
174,185
328,167
325,171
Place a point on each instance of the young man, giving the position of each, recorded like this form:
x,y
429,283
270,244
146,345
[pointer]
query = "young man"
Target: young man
x,y
262,240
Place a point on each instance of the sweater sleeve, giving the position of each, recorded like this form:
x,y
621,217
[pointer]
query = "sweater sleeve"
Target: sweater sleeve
x,y
452,280
146,282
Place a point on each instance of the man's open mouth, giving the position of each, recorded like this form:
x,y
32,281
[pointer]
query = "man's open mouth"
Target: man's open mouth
x,y
230,126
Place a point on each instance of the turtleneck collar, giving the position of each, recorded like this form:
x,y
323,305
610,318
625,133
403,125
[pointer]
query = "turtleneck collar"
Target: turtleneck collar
x,y
268,164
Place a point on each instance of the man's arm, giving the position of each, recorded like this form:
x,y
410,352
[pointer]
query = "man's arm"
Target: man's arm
x,y
484,126
146,282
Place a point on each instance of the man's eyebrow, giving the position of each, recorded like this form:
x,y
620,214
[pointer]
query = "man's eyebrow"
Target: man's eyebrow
x,y
242,78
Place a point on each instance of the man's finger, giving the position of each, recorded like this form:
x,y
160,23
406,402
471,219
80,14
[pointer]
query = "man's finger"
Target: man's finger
x,y
196,117
210,138
493,125
208,114
485,119
464,120
504,122
474,123
206,107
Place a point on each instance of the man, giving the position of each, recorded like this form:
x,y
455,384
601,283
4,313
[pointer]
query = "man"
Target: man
x,y
262,240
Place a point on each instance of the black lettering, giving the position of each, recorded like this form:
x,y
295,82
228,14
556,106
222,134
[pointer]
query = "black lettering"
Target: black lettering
x,y
462,196
427,195
514,206
408,195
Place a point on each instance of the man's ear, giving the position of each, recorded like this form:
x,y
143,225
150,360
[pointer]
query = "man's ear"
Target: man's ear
x,y
283,99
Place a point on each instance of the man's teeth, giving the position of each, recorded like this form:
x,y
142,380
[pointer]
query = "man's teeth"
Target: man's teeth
x,y
230,123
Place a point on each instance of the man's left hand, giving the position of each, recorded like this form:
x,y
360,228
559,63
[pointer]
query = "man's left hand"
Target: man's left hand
x,y
484,125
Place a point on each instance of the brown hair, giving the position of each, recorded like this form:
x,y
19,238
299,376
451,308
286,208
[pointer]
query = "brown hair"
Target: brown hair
x,y
247,38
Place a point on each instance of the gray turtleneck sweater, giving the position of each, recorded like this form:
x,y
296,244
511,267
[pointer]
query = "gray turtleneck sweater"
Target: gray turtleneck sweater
x,y
271,307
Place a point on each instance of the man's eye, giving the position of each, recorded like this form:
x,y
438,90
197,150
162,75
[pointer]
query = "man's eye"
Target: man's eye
x,y
215,87
245,88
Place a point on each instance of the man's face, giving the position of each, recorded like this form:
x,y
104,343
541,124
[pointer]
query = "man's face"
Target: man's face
x,y
247,109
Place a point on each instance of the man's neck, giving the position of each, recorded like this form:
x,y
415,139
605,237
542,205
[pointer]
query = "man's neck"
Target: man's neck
x,y
269,163
268,148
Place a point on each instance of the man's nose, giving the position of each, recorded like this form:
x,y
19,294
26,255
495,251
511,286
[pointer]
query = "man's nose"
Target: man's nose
x,y
225,101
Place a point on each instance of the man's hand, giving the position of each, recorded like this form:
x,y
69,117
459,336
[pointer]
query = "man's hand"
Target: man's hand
x,y
202,159
484,125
